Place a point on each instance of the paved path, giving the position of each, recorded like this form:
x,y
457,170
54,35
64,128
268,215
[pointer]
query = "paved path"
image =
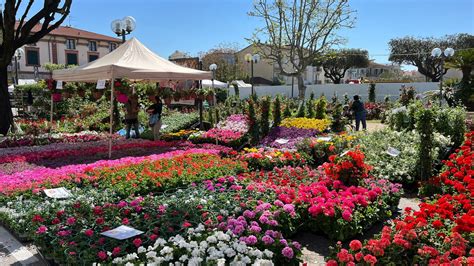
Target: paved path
x,y
12,252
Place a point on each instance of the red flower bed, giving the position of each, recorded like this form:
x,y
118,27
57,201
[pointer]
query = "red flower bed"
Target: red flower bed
x,y
440,233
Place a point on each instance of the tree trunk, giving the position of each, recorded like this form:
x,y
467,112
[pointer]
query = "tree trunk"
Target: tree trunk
x,y
6,115
301,87
337,80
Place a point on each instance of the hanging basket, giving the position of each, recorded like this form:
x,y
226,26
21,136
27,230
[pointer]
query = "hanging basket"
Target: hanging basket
x,y
57,97
122,98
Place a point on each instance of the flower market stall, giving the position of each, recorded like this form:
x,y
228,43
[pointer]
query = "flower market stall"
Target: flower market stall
x,y
131,60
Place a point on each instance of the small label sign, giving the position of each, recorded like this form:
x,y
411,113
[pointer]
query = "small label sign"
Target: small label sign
x,y
281,141
59,84
393,152
58,193
122,232
344,153
324,138
100,84
164,126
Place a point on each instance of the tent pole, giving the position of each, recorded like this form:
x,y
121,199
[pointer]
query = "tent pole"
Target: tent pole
x,y
112,81
51,111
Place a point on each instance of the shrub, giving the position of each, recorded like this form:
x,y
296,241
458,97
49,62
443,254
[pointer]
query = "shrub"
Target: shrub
x,y
265,115
276,112
300,112
372,92
321,106
310,109
424,127
253,123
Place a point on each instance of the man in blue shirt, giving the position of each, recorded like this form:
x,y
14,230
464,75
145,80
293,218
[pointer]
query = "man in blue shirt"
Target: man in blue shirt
x,y
359,112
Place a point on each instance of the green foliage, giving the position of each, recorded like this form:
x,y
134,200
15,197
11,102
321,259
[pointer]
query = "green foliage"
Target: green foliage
x,y
301,108
41,85
210,118
449,121
254,129
403,168
372,92
236,90
337,121
221,95
276,111
321,106
253,123
218,117
407,95
336,62
287,111
310,113
346,99
424,127
265,115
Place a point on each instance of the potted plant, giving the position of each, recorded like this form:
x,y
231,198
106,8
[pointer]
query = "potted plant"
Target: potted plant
x,y
167,94
177,96
210,95
56,96
97,94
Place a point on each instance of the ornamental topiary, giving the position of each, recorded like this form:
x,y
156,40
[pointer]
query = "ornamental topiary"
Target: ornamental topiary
x,y
276,111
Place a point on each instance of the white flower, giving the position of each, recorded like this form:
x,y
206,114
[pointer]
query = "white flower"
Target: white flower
x,y
141,249
211,239
183,258
220,262
151,254
268,253
166,250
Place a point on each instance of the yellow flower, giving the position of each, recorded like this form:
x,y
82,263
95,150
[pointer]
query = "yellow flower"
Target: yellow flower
x,y
306,123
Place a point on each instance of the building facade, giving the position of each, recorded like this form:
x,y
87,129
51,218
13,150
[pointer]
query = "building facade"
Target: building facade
x,y
64,45
270,71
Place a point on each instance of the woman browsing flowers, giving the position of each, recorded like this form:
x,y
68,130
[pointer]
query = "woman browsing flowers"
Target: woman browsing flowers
x,y
155,111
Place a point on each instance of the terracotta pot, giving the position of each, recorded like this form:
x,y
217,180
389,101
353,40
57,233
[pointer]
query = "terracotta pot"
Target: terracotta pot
x,y
97,95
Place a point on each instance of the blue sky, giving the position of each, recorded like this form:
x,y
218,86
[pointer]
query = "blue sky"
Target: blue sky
x,y
199,25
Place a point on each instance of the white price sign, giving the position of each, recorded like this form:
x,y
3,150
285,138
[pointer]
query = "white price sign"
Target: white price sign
x,y
59,84
281,141
57,193
393,152
100,84
122,232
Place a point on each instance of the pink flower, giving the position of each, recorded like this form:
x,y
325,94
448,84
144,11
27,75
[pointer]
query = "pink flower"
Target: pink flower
x,y
287,252
370,259
102,255
125,221
251,240
346,215
42,229
89,232
137,242
71,220
116,251
355,245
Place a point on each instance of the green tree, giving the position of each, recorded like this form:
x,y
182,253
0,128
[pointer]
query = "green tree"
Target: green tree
x,y
276,111
265,115
335,63
321,106
296,32
18,31
301,108
253,123
372,92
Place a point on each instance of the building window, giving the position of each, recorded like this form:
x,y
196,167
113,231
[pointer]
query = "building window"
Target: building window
x,y
71,44
32,56
71,59
112,46
93,46
93,57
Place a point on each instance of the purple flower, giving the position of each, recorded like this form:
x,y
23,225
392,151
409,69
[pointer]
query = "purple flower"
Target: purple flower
x,y
255,229
267,240
249,214
278,203
289,208
263,219
287,252
251,240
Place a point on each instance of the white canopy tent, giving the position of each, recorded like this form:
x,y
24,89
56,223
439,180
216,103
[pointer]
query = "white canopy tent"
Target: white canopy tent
x,y
131,60
217,84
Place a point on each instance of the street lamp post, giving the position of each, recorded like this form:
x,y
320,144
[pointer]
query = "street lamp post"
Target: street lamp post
x,y
213,68
437,53
252,59
16,57
123,27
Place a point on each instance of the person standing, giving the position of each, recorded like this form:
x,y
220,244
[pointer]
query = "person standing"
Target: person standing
x,y
359,112
131,116
155,111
